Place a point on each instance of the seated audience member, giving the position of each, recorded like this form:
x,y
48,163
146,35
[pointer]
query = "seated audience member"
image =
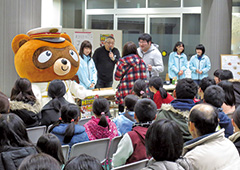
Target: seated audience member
x,y
235,137
39,161
160,94
165,151
67,129
131,148
50,113
140,89
125,120
83,162
204,83
14,142
229,102
50,144
4,103
100,126
216,75
178,109
23,102
225,75
209,150
214,95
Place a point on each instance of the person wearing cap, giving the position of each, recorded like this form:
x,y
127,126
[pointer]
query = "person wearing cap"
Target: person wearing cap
x,y
105,58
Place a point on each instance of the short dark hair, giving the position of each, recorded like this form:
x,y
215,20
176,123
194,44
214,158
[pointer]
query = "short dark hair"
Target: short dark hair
x,y
179,43
205,118
164,140
111,37
226,75
50,144
214,95
236,116
146,37
83,162
217,73
129,48
229,92
205,82
38,162
200,47
130,101
85,44
186,89
157,83
145,110
4,103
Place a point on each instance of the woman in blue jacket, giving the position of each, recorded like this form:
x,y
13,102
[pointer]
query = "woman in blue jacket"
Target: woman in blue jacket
x,y
87,73
177,62
199,64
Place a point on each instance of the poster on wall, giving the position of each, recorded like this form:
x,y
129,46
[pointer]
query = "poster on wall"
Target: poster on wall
x,y
231,62
103,38
79,37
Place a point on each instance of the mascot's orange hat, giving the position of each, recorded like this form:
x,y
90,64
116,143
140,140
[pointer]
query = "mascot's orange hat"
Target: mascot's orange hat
x,y
44,54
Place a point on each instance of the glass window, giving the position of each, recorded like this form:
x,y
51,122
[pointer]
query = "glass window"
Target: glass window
x,y
100,4
191,3
191,33
131,29
131,4
100,22
165,32
163,3
72,13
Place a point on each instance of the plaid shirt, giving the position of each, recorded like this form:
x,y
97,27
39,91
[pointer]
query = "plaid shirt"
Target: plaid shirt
x,y
137,71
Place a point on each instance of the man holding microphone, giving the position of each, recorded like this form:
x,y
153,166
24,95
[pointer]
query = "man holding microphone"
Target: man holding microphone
x,y
105,58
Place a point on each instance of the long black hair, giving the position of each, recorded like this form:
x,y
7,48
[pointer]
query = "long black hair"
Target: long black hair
x,y
229,92
101,108
157,83
70,113
22,91
140,88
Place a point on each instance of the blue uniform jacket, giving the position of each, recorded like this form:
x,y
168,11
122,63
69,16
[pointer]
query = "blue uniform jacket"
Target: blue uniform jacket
x,y
203,65
175,64
87,73
79,134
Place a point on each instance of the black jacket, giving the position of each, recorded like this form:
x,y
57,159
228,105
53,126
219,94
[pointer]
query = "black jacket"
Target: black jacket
x,y
104,64
11,158
27,112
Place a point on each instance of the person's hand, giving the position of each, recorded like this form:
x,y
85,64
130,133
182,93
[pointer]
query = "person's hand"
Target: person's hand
x,y
111,55
197,71
92,85
200,72
149,67
180,72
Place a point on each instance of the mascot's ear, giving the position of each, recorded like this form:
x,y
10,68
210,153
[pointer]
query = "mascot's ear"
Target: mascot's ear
x,y
18,41
66,37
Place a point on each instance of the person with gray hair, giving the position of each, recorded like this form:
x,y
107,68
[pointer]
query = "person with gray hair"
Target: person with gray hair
x,y
209,149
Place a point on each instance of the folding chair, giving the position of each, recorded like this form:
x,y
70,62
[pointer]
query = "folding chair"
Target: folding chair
x,y
65,150
133,166
113,149
34,133
96,148
83,121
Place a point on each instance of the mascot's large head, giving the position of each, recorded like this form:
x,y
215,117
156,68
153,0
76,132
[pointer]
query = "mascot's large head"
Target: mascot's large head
x,y
44,54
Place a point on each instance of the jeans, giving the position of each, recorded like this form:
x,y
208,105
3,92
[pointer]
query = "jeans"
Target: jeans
x,y
103,84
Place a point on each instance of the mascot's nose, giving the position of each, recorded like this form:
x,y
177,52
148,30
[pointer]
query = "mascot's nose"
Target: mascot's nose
x,y
64,61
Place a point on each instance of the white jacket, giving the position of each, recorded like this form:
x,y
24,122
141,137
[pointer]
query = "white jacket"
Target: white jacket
x,y
212,152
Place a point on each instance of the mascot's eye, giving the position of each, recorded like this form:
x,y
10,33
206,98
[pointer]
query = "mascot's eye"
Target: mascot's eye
x,y
44,56
73,54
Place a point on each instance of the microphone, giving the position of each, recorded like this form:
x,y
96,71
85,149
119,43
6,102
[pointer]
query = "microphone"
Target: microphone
x,y
110,49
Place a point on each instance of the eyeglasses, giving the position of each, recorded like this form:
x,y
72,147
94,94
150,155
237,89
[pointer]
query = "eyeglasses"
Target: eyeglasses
x,y
142,42
110,43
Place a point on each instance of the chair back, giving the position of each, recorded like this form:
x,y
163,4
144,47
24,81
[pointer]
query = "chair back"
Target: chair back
x,y
34,133
96,148
113,147
133,166
82,121
65,150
